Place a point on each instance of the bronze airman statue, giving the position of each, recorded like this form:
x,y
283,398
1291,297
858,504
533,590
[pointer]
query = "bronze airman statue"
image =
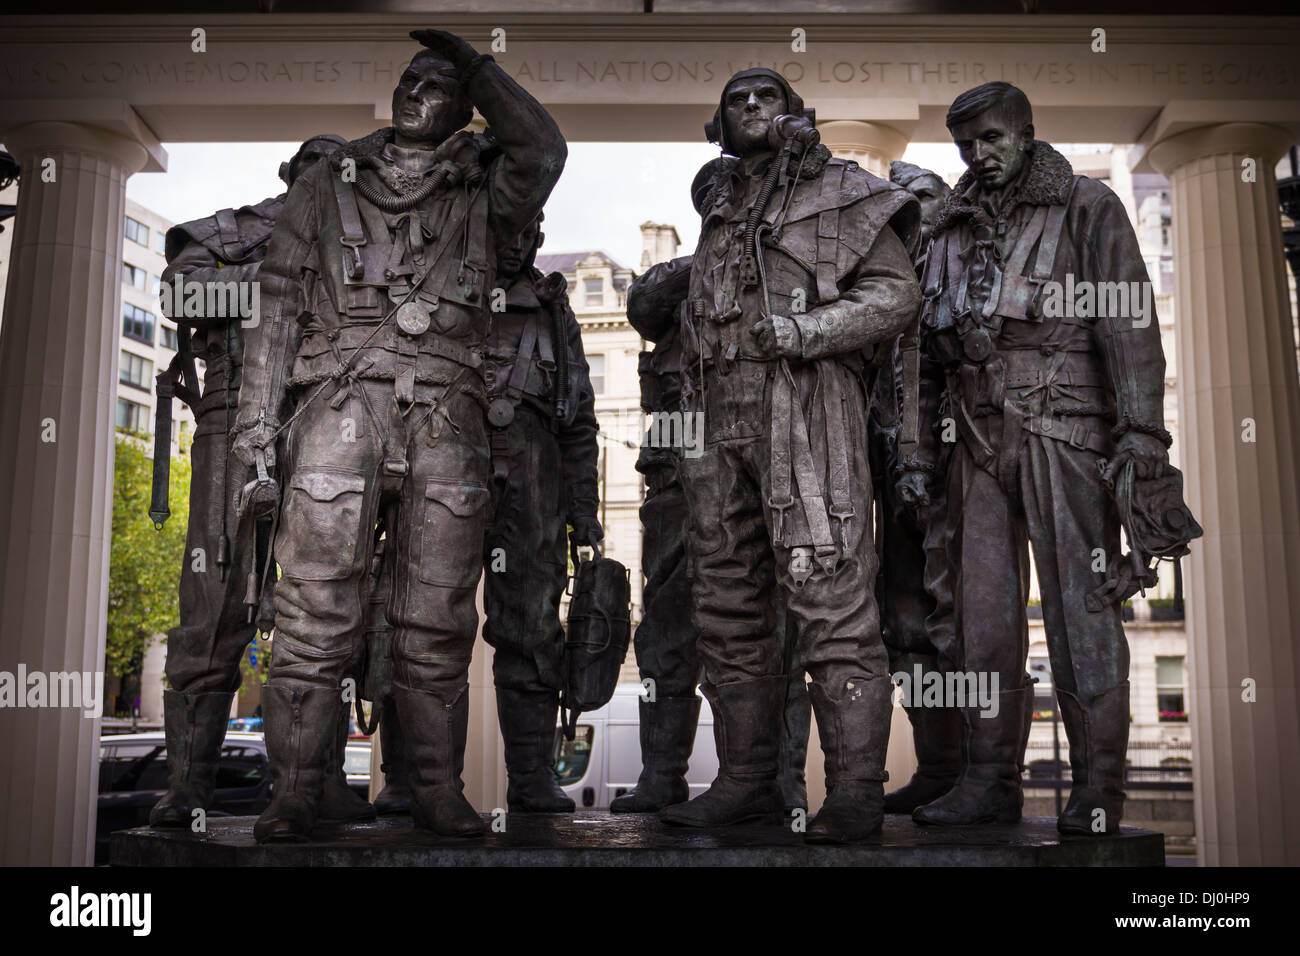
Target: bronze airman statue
x,y
376,292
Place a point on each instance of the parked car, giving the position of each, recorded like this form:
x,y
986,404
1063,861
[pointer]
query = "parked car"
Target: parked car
x,y
603,760
133,777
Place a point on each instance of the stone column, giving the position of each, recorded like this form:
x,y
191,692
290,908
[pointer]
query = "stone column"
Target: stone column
x,y
871,145
58,360
1237,370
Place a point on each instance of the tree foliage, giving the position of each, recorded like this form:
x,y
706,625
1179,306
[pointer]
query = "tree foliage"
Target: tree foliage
x,y
144,563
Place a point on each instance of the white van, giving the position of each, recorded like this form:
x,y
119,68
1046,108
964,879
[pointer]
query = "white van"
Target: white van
x,y
603,760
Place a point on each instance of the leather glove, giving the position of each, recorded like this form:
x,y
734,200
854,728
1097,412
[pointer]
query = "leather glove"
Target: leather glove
x,y
1148,454
446,45
911,489
778,337
586,532
256,443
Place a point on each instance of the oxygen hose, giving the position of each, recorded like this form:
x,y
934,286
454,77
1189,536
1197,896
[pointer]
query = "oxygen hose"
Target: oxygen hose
x,y
749,263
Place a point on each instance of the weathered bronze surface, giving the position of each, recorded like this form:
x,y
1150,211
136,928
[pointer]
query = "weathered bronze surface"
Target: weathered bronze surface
x,y
384,421
803,267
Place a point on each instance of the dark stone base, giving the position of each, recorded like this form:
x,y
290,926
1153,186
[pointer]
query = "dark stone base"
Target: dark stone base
x,y
591,838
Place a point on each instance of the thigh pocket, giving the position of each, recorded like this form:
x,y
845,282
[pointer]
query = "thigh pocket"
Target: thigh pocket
x,y
451,546
321,526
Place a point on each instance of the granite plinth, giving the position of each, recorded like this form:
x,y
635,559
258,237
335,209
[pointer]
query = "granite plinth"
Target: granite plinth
x,y
602,839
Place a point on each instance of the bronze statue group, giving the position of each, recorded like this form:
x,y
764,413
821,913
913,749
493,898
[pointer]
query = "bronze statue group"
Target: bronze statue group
x,y
890,416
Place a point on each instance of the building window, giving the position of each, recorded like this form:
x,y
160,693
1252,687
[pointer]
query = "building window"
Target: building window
x,y
155,285
137,323
594,292
596,371
132,417
134,276
1170,692
137,231
160,242
134,370
168,336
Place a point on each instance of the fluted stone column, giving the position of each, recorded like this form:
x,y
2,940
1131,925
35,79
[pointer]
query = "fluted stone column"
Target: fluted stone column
x,y
1236,361
58,360
872,146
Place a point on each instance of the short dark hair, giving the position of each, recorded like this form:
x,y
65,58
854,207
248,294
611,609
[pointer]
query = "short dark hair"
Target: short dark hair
x,y
985,97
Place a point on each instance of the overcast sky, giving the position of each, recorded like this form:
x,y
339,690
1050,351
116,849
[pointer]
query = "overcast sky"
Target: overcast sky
x,y
606,192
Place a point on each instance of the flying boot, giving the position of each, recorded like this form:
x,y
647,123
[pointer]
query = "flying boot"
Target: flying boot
x,y
435,724
1098,736
854,729
988,789
301,731
667,737
528,729
747,731
195,726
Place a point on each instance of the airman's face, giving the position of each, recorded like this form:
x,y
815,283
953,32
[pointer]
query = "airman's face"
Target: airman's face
x,y
993,144
424,101
315,151
931,191
510,261
749,107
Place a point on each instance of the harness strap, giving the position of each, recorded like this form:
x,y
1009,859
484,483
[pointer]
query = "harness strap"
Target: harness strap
x,y
523,358
1052,236
828,235
791,456
837,452
354,237
228,230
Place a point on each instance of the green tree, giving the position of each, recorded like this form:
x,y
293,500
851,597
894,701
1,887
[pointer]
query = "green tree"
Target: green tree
x,y
144,563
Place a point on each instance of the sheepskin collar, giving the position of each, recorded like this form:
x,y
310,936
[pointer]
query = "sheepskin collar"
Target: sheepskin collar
x,y
466,150
1046,184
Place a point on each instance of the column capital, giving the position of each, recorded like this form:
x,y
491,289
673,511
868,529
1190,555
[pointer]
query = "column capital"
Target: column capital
x,y
108,128
1265,141
873,145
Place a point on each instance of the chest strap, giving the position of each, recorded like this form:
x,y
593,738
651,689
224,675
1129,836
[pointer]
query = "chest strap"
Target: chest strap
x,y
828,239
793,465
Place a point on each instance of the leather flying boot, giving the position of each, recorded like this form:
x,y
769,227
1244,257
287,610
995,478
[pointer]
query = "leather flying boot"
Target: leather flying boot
x,y
195,726
1096,801
667,739
795,727
854,731
301,724
339,803
747,730
396,795
434,724
988,789
528,729
936,735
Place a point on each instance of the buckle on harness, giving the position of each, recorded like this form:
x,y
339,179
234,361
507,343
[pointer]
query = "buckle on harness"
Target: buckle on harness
x,y
801,565
396,467
356,267
780,507
844,517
